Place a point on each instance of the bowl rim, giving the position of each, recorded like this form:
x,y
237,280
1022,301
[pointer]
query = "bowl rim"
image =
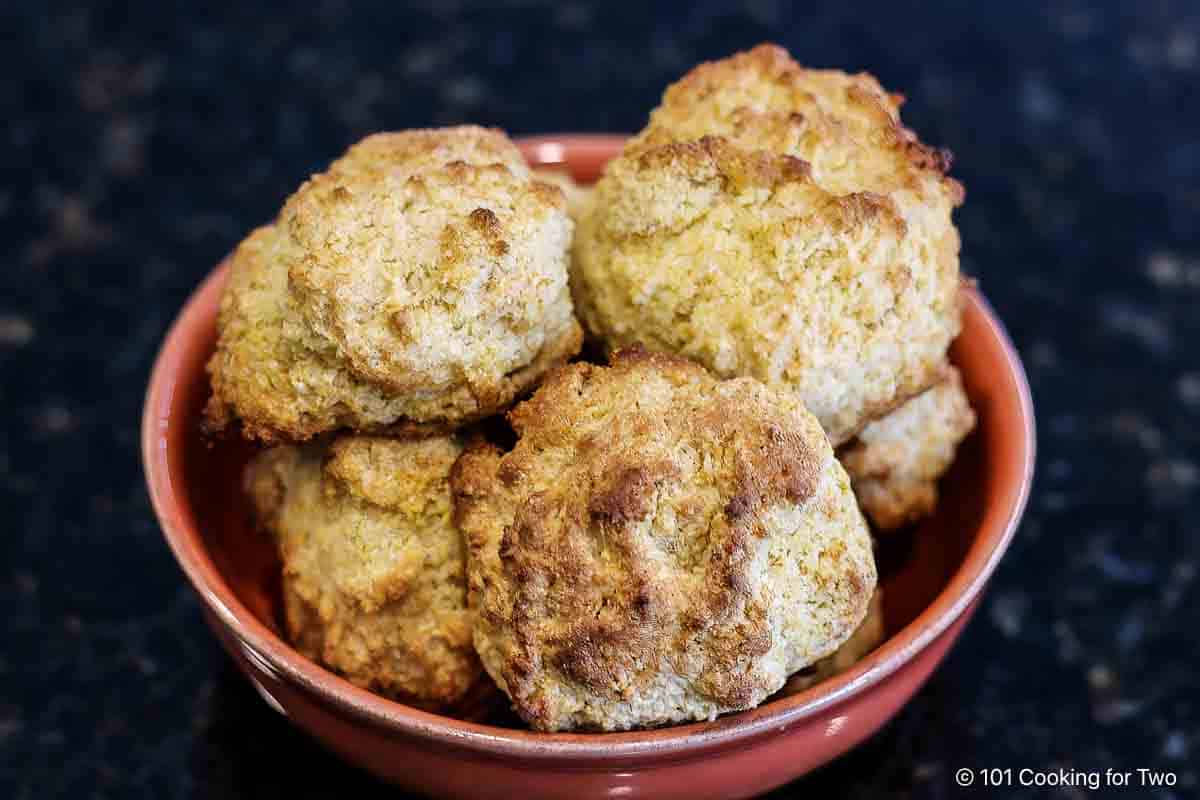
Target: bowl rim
x,y
269,651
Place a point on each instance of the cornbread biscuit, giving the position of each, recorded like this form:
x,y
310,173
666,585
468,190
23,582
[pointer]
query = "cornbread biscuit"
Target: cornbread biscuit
x,y
896,461
781,223
659,546
374,582
867,637
418,284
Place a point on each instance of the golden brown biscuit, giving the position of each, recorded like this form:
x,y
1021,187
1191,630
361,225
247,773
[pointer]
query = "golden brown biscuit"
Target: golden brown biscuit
x,y
374,582
419,283
270,371
867,637
896,461
659,546
779,222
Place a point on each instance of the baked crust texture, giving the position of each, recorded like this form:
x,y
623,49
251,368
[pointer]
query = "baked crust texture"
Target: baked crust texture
x,y
374,580
869,635
781,223
418,284
659,546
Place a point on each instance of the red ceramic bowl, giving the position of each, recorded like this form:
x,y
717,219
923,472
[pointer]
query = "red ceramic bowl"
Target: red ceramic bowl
x,y
932,576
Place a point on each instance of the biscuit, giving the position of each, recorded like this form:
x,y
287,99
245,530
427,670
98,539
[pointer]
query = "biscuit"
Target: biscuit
x,y
374,582
896,461
659,546
418,284
781,223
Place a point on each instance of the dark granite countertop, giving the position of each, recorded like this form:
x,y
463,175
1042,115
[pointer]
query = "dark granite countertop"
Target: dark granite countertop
x,y
140,141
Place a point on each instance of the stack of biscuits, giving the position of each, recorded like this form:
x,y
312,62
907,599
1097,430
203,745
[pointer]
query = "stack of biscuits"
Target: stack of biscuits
x,y
770,271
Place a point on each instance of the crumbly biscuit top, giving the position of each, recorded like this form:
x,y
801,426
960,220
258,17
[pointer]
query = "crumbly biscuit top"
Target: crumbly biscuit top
x,y
632,534
845,126
414,246
779,222
418,284
757,120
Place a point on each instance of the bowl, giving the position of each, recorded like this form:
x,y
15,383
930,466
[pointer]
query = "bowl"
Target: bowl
x,y
933,576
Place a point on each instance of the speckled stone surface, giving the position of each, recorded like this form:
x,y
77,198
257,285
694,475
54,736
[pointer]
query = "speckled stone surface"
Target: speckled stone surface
x,y
141,141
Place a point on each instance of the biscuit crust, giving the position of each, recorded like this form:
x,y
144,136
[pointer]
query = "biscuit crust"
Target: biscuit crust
x,y
659,546
374,582
869,635
781,223
418,284
896,461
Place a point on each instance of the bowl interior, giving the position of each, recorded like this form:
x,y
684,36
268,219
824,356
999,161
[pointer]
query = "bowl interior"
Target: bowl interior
x,y
920,567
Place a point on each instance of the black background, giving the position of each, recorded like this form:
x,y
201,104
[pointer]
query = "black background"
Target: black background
x,y
141,141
